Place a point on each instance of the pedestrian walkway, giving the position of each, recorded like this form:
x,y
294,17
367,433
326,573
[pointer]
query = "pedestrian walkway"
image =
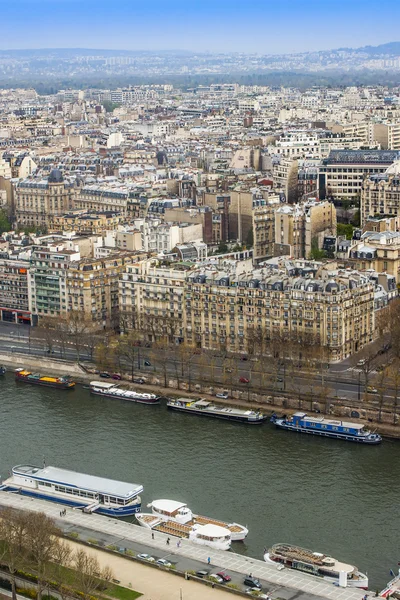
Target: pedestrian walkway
x,y
224,560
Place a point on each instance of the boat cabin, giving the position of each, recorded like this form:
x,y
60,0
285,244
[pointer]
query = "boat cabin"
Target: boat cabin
x,y
69,484
300,419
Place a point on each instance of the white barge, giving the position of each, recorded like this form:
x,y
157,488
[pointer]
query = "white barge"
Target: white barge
x,y
88,492
178,517
317,564
205,408
113,390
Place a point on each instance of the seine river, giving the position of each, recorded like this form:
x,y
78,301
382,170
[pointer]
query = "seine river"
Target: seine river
x,y
326,495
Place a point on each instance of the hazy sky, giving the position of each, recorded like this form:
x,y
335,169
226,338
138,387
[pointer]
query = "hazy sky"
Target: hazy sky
x,y
264,26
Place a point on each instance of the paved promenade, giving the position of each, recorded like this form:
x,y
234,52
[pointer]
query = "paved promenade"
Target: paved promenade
x,y
225,560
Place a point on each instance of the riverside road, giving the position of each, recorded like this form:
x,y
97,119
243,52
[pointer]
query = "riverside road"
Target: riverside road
x,y
343,381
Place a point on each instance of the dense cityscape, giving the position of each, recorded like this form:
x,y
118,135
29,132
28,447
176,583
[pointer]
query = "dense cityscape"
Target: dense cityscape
x,y
212,231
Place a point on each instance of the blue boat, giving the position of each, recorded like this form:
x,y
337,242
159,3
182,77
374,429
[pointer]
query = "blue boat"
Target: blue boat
x,y
87,492
340,430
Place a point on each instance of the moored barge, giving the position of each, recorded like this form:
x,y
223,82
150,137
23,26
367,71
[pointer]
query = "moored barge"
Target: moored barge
x,y
205,408
113,390
341,430
64,382
317,564
88,492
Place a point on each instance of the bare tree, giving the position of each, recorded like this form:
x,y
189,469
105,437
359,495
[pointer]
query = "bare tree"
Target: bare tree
x,y
41,540
62,559
90,577
126,350
78,327
47,330
381,384
161,354
13,529
394,378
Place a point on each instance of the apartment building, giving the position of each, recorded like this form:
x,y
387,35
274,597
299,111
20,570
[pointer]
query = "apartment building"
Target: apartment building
x,y
342,173
377,251
221,308
300,227
85,223
38,201
103,198
48,280
264,227
380,194
14,291
152,296
92,286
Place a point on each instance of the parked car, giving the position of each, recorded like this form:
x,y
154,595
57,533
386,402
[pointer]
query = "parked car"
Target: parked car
x,y
138,380
243,380
147,363
116,376
202,573
361,362
257,594
146,557
229,370
253,582
244,358
216,578
164,562
105,375
224,576
279,379
223,395
371,390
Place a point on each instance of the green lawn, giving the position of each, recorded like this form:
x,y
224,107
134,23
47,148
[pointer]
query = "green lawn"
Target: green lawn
x,y
121,593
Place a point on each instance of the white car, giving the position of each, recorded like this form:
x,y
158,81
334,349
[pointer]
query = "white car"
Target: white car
x,y
216,578
146,557
223,395
256,593
164,562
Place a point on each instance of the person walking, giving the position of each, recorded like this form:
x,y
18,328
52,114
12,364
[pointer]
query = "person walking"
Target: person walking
x,y
168,540
209,560
152,535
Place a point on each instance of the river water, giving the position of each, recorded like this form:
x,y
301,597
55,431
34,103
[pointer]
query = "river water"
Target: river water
x,y
326,495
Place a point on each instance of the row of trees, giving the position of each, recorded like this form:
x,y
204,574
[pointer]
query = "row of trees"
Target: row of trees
x,y
30,544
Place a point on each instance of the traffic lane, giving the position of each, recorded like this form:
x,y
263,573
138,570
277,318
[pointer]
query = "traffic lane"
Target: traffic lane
x,y
182,563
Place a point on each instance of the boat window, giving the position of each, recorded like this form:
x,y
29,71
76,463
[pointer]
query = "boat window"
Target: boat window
x,y
44,483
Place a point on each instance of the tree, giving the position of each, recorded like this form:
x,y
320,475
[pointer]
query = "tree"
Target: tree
x,y
4,222
78,326
394,378
161,354
62,559
13,528
126,349
48,331
345,229
41,541
90,577
315,252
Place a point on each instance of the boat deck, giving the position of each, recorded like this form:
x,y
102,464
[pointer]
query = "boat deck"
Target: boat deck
x,y
220,558
175,529
206,521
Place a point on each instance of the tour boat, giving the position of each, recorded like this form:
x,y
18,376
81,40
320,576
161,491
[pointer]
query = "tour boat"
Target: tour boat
x,y
112,390
178,512
88,492
208,409
317,564
211,534
63,383
341,430
392,589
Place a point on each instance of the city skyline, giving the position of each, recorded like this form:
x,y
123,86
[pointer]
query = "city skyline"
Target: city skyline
x,y
265,27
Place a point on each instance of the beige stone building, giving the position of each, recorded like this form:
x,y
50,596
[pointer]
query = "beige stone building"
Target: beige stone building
x,y
300,227
223,310
38,201
85,223
153,296
92,286
378,251
380,194
264,227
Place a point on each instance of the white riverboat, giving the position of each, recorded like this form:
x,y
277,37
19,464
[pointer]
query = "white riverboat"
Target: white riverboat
x,y
88,492
209,534
204,408
178,512
392,589
113,390
319,565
